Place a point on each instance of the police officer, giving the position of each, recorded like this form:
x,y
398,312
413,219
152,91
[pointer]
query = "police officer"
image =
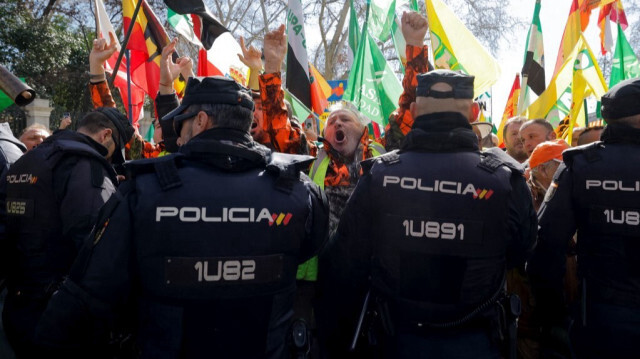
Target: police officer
x,y
431,230
203,244
53,194
596,192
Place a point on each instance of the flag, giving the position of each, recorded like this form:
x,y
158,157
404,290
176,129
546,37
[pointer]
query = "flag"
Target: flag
x,y
204,25
304,115
511,108
320,89
580,76
210,63
533,69
455,47
625,63
577,22
299,82
572,31
147,39
104,28
373,86
354,33
228,65
381,18
613,12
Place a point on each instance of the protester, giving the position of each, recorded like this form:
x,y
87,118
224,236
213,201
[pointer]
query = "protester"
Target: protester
x,y
544,162
575,134
483,132
53,194
169,71
411,231
534,132
512,140
594,192
401,121
34,135
223,201
590,135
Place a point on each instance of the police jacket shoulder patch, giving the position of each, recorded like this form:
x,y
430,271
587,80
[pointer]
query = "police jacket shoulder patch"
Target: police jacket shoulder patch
x,y
287,168
590,151
165,168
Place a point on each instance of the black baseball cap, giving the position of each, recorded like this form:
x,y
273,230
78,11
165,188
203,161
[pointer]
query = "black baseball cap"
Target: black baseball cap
x,y
210,90
125,131
622,100
461,84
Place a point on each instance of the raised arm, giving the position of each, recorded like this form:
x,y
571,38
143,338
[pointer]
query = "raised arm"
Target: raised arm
x,y
279,134
98,87
414,30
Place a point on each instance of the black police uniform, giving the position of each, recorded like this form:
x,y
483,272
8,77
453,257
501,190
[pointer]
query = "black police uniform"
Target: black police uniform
x,y
10,148
206,242
596,191
432,229
53,194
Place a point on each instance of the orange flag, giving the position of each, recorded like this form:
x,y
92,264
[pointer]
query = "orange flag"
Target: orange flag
x,y
511,109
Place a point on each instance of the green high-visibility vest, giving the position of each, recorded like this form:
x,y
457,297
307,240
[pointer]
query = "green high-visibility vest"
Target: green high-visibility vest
x,y
309,270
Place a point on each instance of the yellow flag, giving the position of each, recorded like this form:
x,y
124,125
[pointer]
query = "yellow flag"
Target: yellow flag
x,y
455,47
587,81
578,78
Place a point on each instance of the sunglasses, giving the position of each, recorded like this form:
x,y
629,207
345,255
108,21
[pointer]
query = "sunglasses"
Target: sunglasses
x,y
179,120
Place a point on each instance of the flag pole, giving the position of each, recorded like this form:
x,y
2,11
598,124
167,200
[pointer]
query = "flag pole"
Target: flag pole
x,y
129,85
124,43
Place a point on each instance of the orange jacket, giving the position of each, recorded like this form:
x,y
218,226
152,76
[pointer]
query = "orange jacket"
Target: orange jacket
x,y
401,120
280,134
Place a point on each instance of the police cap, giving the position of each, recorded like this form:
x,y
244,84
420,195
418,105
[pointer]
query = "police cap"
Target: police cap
x,y
124,127
461,84
622,100
214,90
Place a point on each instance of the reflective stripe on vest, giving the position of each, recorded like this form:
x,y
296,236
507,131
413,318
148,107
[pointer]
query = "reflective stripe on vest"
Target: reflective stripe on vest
x,y
309,270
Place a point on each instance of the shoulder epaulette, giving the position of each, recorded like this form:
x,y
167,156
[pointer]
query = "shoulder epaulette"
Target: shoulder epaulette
x,y
165,168
287,168
591,153
491,161
390,158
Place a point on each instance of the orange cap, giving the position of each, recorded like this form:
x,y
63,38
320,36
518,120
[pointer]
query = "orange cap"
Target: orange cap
x,y
547,151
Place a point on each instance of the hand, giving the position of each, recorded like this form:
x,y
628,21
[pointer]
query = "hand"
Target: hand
x,y
186,67
414,28
169,70
275,49
65,122
251,57
100,53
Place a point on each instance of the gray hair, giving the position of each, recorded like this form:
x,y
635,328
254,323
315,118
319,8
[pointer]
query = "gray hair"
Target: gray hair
x,y
226,116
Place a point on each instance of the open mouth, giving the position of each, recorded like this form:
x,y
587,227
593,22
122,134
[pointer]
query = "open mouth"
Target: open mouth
x,y
254,124
340,137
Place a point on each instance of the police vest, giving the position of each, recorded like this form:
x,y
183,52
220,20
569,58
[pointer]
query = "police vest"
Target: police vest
x,y
606,197
217,252
34,223
439,234
309,270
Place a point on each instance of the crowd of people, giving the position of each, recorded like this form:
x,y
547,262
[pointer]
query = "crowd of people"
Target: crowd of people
x,y
242,234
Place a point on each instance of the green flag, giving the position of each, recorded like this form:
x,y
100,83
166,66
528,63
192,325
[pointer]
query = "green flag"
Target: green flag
x,y
149,135
373,86
354,33
533,64
183,26
625,63
381,18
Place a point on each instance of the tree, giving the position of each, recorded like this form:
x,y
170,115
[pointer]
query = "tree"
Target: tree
x,y
39,44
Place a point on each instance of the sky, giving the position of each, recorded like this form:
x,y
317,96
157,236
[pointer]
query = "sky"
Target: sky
x,y
553,18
